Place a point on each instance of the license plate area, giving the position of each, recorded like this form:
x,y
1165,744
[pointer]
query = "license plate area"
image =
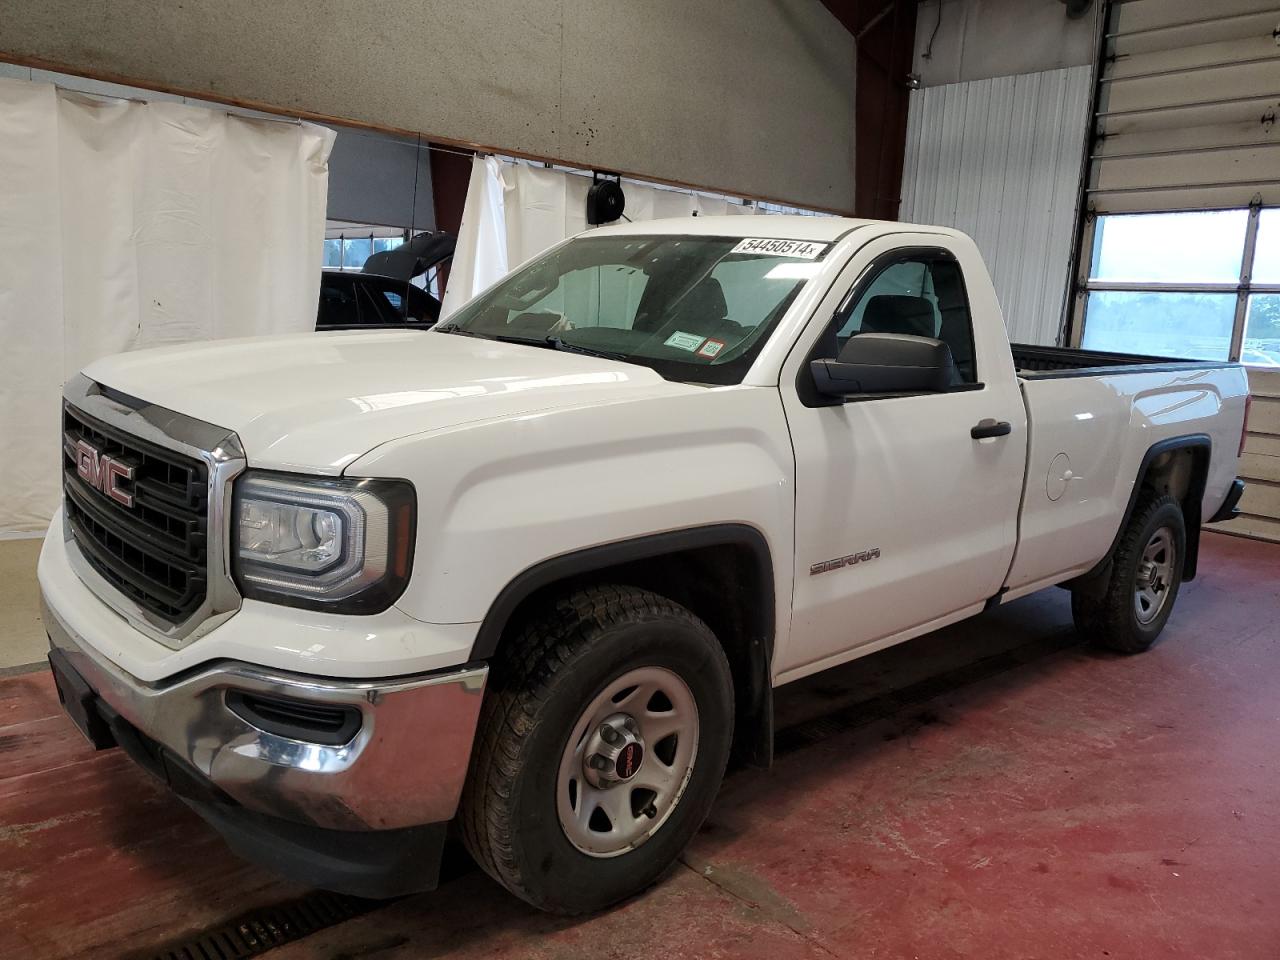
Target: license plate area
x,y
80,702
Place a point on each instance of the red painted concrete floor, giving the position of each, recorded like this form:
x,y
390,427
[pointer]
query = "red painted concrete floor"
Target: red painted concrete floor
x,y
990,790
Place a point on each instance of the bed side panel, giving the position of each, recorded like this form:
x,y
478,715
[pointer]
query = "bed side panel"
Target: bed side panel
x,y
1087,440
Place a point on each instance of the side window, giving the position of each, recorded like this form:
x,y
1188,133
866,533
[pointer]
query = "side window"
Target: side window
x,y
899,301
923,297
337,305
374,306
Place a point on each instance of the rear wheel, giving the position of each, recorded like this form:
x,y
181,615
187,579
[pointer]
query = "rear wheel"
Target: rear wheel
x,y
1127,611
600,748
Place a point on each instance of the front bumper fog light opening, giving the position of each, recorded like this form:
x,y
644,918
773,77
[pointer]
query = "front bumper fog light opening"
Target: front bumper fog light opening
x,y
327,724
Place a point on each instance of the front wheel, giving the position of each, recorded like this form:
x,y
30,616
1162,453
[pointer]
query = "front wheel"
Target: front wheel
x,y
600,748
1128,610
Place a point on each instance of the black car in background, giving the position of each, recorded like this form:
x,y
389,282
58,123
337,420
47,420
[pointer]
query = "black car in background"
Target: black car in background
x,y
366,299
382,293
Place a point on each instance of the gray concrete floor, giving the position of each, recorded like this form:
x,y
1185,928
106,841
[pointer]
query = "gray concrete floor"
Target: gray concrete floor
x,y
22,637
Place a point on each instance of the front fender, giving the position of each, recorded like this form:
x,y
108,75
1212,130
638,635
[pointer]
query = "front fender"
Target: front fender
x,y
498,497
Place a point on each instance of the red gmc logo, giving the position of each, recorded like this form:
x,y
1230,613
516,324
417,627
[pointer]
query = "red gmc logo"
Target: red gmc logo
x,y
629,755
103,472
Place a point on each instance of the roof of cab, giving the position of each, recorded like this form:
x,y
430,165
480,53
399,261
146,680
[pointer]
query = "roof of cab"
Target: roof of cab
x,y
823,229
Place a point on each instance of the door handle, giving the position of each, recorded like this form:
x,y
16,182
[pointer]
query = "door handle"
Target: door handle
x,y
988,428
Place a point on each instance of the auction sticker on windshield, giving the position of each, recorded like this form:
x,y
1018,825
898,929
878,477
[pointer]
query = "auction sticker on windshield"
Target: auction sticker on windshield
x,y
684,341
765,246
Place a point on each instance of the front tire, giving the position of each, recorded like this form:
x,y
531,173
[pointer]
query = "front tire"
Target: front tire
x,y
600,748
1127,611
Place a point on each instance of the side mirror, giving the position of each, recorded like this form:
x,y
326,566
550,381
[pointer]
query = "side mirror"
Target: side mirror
x,y
886,363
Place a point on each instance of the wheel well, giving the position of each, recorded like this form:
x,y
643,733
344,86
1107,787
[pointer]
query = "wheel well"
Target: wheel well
x,y
1176,472
1179,467
728,584
1181,472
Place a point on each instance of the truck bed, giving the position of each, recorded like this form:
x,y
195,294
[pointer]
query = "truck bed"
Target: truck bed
x,y
1045,363
1095,420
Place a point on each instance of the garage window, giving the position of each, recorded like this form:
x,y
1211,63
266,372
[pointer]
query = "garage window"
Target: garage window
x,y
350,252
1201,284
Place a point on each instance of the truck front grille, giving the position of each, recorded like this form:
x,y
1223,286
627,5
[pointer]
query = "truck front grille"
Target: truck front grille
x,y
154,550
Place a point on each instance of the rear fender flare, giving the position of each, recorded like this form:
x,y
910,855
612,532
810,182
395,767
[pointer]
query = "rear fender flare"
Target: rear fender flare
x,y
1203,445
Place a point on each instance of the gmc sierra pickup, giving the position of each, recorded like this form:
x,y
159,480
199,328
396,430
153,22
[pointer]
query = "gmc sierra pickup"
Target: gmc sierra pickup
x,y
533,575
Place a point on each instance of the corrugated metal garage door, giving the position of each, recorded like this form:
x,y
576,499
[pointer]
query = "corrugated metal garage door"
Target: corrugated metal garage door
x,y
1000,160
1187,109
1187,106
1260,465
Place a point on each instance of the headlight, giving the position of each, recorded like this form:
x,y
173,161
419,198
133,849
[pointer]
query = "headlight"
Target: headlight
x,y
340,545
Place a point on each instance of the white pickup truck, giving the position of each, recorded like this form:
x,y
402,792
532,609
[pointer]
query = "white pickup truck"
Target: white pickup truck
x,y
534,575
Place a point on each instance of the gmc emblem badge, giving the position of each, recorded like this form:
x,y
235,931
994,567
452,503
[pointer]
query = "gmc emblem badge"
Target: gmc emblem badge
x,y
103,472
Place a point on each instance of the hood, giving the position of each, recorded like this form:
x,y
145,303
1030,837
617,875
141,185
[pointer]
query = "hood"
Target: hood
x,y
315,402
413,257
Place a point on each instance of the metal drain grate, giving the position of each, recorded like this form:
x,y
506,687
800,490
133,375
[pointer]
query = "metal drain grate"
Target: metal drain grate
x,y
258,931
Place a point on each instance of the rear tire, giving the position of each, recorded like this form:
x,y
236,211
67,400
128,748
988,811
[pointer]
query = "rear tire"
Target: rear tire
x,y
1127,611
540,768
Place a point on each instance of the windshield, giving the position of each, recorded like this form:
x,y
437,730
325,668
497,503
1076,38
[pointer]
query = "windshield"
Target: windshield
x,y
696,309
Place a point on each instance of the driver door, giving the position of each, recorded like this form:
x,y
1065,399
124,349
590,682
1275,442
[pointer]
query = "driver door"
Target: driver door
x,y
903,519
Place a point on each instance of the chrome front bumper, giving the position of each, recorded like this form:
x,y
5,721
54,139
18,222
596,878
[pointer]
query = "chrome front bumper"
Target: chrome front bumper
x,y
404,767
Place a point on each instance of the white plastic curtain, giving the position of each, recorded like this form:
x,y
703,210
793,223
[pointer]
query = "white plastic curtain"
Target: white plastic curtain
x,y
514,211
126,225
480,258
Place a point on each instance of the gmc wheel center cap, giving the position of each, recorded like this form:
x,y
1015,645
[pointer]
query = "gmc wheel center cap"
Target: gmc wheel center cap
x,y
614,752
627,763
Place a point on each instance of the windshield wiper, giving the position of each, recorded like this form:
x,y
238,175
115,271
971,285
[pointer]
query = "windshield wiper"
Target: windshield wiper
x,y
558,343
454,328
464,332
546,343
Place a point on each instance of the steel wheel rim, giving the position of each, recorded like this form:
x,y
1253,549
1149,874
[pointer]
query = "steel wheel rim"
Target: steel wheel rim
x,y
634,809
1155,576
